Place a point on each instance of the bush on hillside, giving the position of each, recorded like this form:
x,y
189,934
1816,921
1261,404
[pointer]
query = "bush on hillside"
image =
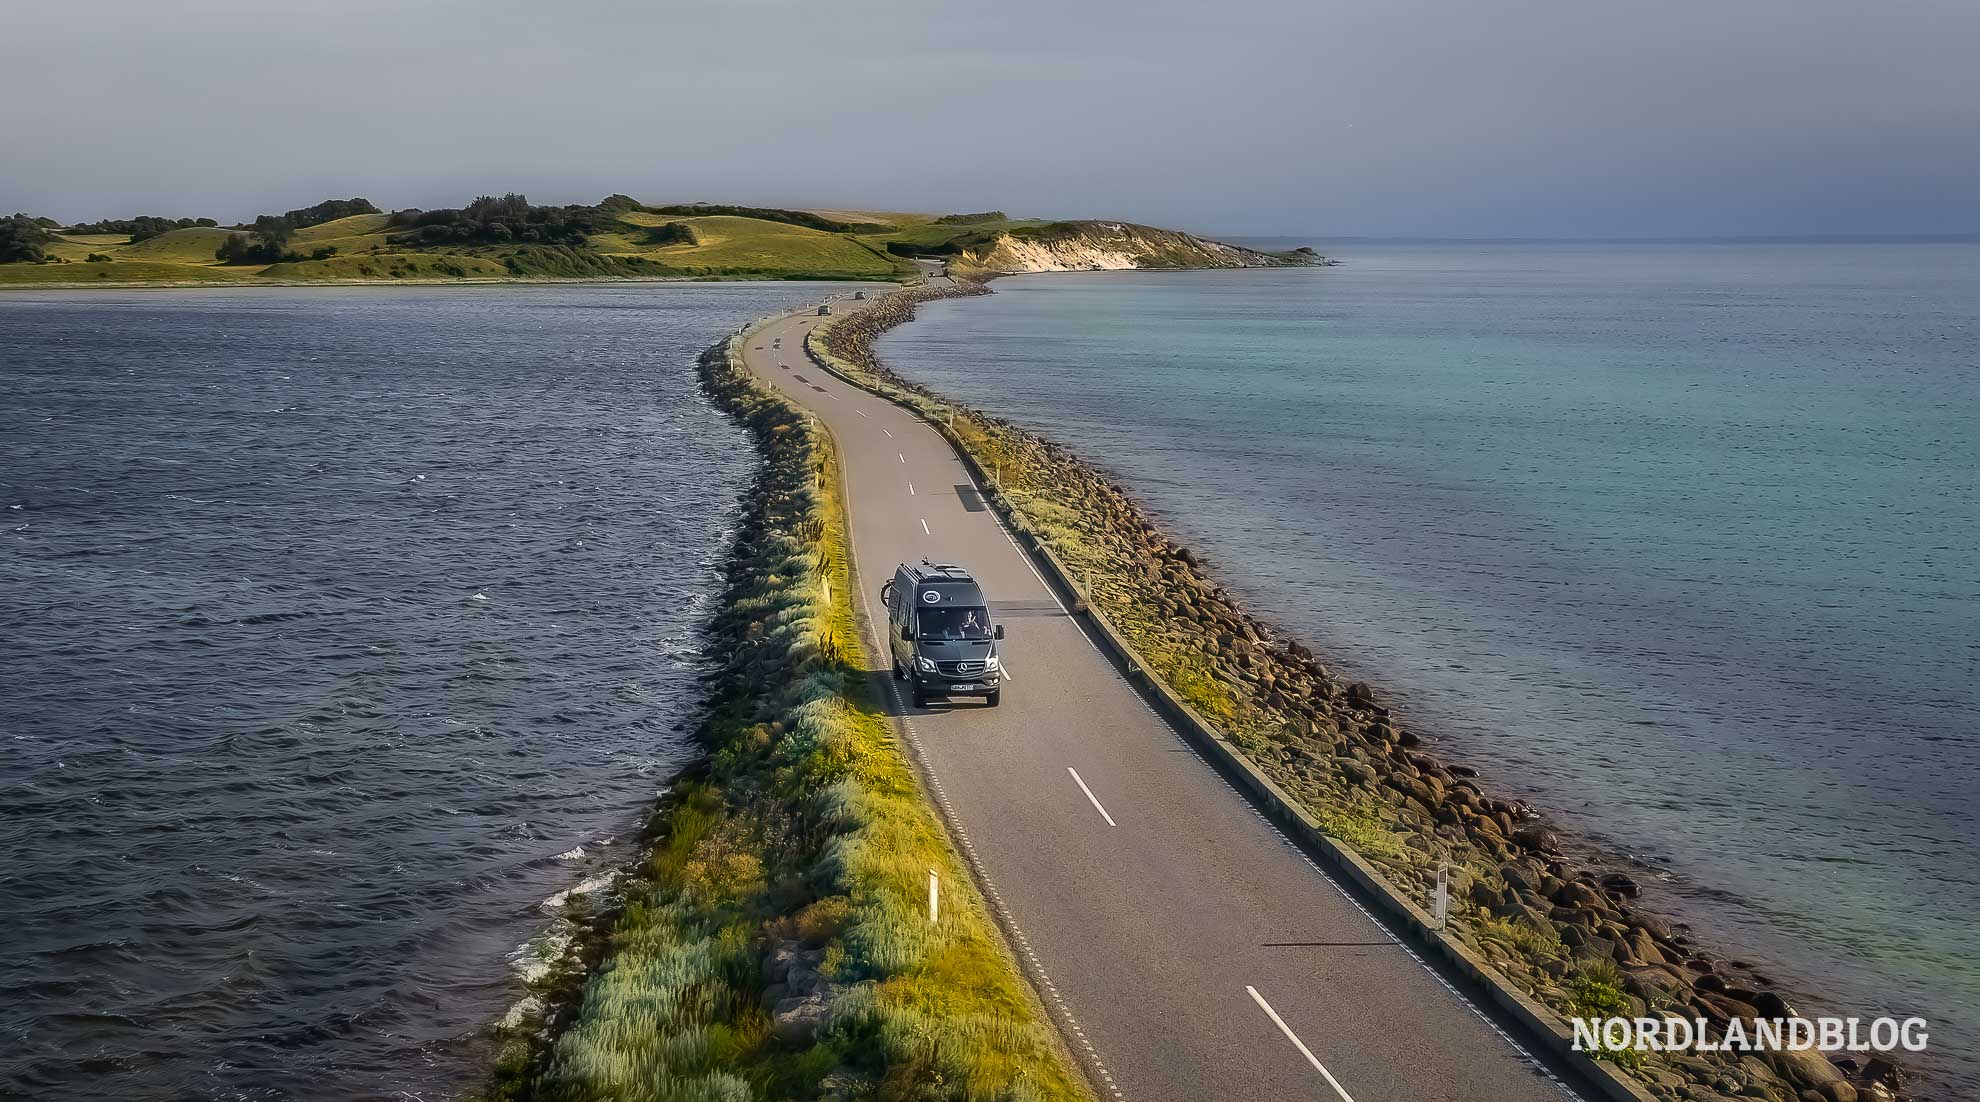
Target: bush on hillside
x,y
328,210
268,245
673,233
575,262
972,219
21,240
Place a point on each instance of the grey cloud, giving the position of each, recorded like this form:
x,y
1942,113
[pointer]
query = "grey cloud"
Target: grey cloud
x,y
1526,117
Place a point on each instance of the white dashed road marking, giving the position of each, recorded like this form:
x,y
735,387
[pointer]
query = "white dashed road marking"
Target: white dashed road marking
x,y
1090,796
1299,1044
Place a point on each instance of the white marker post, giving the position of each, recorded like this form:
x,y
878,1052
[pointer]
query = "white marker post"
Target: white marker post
x,y
934,896
1443,904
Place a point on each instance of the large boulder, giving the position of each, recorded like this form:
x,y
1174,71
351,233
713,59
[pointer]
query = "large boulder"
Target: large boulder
x,y
795,1020
1806,1070
1537,838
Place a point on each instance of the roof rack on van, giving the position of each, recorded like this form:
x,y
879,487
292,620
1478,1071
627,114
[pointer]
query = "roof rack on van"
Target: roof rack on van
x,y
926,570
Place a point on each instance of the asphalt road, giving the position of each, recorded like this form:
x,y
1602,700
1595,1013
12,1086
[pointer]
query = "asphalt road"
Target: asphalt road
x,y
1186,948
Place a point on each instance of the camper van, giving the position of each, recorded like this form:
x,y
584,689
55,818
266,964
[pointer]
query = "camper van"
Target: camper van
x,y
940,633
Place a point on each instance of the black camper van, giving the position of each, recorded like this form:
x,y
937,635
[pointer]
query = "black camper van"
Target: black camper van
x,y
940,633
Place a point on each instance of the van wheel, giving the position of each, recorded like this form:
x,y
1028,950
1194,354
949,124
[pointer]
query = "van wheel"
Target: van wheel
x,y
992,696
899,673
920,696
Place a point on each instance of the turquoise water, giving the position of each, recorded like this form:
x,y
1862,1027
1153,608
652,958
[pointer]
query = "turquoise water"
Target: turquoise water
x,y
1679,542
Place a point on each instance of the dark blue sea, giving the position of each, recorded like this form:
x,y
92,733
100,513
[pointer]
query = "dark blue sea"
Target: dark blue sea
x,y
1681,542
339,630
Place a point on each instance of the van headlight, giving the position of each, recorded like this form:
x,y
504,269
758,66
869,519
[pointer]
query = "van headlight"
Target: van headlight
x,y
923,664
990,663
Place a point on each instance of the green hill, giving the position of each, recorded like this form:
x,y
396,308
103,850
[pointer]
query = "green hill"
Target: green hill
x,y
618,238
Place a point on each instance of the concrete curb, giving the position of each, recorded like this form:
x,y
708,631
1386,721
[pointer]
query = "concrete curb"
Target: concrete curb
x,y
1541,1024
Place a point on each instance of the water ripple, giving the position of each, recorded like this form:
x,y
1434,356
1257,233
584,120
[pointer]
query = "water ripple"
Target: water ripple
x,y
340,629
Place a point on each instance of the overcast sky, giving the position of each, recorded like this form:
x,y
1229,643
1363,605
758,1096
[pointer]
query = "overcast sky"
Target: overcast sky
x,y
1316,117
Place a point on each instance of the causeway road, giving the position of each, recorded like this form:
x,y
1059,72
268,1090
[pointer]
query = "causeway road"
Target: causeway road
x,y
1186,949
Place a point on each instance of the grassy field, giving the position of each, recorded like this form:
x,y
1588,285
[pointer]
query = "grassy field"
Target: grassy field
x,y
736,243
724,246
731,246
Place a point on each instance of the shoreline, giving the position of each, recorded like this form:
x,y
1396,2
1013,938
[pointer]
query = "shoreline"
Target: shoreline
x,y
1555,925
230,284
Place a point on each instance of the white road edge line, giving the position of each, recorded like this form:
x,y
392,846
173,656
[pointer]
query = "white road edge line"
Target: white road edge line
x,y
924,527
1297,1043
910,489
861,412
890,435
1095,800
899,456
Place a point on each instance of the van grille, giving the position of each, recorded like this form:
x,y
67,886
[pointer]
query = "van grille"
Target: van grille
x,y
960,667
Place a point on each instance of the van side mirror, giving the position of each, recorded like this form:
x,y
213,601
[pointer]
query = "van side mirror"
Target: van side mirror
x,y
907,633
997,632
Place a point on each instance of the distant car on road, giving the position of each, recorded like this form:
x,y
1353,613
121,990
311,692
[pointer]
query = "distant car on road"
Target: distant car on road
x,y
940,634
824,309
859,295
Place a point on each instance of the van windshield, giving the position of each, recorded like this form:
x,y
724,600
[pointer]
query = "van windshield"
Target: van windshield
x,y
950,624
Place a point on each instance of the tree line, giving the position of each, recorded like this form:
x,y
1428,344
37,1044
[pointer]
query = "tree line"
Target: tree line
x,y
142,228
509,219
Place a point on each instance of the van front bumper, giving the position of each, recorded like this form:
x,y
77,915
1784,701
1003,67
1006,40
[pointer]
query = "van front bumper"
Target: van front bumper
x,y
981,684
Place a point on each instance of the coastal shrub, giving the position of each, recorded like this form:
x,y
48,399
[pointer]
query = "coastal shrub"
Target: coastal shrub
x,y
267,244
670,233
496,220
21,240
574,262
970,219
1597,987
328,210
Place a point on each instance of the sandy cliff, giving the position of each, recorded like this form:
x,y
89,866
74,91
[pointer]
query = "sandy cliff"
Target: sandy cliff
x,y
1109,246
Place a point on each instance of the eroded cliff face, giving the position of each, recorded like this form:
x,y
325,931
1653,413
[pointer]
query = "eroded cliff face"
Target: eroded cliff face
x,y
1112,246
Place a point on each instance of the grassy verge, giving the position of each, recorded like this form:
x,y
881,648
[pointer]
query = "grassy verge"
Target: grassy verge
x,y
1572,937
774,943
